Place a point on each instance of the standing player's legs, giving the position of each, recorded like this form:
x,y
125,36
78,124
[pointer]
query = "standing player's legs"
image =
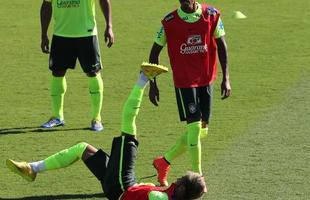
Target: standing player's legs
x,y
89,58
189,110
204,97
95,84
205,106
180,147
62,56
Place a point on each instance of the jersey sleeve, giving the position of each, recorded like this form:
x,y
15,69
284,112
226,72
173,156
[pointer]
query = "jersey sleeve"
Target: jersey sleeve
x,y
219,30
160,38
156,195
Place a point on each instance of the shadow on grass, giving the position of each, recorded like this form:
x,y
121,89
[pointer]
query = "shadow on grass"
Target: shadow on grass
x,y
35,129
59,197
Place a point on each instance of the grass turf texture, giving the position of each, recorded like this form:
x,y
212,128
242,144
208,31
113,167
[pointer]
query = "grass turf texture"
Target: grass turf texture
x,y
258,145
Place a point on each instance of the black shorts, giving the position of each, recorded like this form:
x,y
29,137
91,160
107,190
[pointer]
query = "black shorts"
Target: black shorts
x,y
194,103
115,172
65,51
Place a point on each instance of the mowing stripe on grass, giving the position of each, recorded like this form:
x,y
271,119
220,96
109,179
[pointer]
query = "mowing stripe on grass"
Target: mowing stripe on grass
x,y
271,160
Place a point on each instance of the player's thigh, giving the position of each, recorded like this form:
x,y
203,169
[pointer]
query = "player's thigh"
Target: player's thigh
x,y
188,104
120,172
97,164
89,54
63,53
205,101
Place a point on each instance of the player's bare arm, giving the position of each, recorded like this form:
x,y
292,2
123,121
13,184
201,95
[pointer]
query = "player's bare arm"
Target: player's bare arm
x,y
45,16
107,12
223,58
154,58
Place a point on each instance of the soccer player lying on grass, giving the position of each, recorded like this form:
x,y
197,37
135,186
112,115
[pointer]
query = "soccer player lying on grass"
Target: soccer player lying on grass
x,y
116,172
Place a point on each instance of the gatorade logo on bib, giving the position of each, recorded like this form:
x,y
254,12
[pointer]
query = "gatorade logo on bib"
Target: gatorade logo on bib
x,y
193,45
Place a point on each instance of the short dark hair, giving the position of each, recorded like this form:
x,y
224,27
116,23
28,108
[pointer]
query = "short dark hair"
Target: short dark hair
x,y
194,186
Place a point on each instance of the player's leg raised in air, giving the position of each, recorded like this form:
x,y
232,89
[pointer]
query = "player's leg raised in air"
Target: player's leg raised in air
x,y
115,172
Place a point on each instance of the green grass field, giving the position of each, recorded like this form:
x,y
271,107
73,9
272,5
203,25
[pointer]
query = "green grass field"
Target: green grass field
x,y
258,145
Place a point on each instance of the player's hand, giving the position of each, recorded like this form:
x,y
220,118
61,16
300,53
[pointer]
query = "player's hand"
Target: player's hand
x,y
225,89
109,37
45,45
154,93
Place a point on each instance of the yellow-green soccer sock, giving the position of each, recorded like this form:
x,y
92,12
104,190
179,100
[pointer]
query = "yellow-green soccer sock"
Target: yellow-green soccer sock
x,y
58,90
194,146
95,85
204,132
131,110
65,157
179,148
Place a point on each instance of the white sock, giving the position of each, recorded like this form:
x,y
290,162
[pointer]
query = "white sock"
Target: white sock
x,y
38,166
143,80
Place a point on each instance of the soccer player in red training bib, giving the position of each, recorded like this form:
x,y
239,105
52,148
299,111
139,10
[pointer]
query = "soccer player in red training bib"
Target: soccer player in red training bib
x,y
74,37
116,171
194,35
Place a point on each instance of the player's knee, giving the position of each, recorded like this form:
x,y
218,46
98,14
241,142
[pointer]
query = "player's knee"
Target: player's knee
x,y
59,73
93,73
192,120
82,144
81,148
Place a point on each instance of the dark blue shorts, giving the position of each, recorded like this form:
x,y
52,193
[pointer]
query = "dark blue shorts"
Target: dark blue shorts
x,y
65,51
194,103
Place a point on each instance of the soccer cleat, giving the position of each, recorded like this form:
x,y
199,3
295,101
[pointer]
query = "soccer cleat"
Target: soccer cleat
x,y
53,122
152,70
162,167
21,168
96,125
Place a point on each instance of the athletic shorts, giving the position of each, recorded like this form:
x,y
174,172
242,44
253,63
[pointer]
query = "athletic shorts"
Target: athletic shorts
x,y
115,172
194,103
65,51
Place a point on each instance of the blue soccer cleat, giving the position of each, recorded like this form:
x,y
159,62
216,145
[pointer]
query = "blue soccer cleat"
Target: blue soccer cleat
x,y
53,122
96,125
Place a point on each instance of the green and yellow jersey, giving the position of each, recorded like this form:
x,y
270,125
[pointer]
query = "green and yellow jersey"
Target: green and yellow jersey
x,y
161,40
74,18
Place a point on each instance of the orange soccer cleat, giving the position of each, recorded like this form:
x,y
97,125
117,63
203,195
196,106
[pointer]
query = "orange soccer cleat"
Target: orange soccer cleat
x,y
162,167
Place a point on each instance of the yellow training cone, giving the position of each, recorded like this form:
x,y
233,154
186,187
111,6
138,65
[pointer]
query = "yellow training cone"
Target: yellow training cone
x,y
238,15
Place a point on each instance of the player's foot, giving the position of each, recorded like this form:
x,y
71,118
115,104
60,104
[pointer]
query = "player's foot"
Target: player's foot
x,y
162,167
53,122
21,168
152,70
96,125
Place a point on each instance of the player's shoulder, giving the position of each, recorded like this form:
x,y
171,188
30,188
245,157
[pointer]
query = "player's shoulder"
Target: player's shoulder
x,y
210,10
170,16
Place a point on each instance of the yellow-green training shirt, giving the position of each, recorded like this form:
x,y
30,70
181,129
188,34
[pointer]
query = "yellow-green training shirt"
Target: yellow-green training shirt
x,y
161,40
74,18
